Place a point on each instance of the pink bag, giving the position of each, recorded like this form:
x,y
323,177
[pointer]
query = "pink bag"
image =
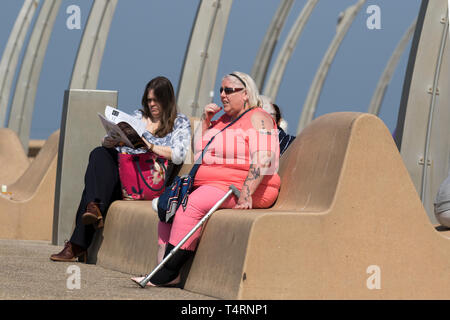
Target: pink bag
x,y
142,175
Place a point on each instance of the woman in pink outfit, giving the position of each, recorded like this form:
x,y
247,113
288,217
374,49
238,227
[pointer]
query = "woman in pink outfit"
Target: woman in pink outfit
x,y
245,154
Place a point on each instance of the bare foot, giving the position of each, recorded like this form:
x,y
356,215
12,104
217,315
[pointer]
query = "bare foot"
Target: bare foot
x,y
149,284
139,279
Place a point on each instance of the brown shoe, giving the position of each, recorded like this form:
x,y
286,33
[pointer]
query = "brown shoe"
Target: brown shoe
x,y
93,216
70,253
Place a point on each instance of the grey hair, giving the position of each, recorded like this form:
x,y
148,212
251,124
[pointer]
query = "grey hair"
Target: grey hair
x,y
250,86
266,104
283,124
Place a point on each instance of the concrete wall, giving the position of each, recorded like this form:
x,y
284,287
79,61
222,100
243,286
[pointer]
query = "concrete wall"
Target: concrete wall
x,y
81,131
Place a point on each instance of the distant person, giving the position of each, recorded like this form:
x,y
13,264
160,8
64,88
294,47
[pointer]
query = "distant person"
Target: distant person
x,y
442,203
273,109
285,139
250,164
168,135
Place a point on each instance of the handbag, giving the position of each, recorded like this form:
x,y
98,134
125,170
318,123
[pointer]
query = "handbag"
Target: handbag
x,y
178,192
175,195
142,176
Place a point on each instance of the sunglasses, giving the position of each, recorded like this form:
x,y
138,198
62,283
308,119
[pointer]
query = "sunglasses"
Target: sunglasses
x,y
230,90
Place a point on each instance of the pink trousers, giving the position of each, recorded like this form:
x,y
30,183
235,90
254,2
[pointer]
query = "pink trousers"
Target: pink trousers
x,y
201,200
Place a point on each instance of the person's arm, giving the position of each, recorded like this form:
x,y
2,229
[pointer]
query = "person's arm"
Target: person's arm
x,y
208,113
164,151
254,178
179,142
261,162
263,158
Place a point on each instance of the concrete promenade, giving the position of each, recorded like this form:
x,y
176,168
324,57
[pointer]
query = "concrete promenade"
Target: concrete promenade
x,y
26,273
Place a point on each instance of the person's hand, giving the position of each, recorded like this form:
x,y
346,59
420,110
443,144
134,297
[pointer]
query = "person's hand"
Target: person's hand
x,y
244,201
109,142
210,110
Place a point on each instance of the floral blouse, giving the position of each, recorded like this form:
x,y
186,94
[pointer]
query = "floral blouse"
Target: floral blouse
x,y
178,140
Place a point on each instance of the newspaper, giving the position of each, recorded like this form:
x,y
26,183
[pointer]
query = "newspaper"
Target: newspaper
x,y
122,127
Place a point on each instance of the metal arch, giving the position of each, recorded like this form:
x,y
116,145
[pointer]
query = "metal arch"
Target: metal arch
x,y
25,93
200,67
378,96
270,40
423,133
10,57
310,105
276,75
432,109
90,52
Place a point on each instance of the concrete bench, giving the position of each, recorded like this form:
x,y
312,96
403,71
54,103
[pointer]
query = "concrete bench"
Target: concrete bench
x,y
34,146
348,224
27,213
12,157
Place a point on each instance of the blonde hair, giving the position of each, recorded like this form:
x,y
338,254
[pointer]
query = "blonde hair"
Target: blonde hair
x,y
240,78
267,106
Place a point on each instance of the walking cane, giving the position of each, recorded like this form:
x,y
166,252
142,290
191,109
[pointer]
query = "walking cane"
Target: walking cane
x,y
234,190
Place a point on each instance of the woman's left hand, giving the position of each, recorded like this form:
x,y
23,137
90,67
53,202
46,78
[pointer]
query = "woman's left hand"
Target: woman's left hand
x,y
244,201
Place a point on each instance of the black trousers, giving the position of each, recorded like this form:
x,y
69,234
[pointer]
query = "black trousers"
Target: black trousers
x,y
101,185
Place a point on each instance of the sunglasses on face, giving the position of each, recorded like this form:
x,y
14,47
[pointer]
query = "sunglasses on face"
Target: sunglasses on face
x,y
230,90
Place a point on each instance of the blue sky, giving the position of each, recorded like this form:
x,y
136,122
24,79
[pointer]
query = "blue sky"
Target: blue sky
x,y
150,37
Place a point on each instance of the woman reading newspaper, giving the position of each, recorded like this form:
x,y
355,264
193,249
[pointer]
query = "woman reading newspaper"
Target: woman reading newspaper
x,y
167,134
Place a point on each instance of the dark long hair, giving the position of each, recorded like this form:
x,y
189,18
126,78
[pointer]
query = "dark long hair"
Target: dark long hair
x,y
277,113
164,93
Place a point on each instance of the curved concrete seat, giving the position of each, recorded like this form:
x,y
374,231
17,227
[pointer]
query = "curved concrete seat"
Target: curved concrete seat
x,y
348,224
27,213
34,146
12,157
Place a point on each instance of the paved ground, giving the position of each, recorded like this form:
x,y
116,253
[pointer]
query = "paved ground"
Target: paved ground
x,y
26,272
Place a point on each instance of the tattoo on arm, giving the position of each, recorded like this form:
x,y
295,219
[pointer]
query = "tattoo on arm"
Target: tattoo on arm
x,y
263,129
256,173
247,188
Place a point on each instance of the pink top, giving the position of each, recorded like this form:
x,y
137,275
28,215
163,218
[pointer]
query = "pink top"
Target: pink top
x,y
228,158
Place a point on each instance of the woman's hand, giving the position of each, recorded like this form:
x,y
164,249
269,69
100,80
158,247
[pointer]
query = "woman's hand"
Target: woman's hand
x,y
260,163
164,151
245,199
109,142
209,111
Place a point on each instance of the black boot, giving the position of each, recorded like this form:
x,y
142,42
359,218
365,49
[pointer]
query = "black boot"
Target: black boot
x,y
172,267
